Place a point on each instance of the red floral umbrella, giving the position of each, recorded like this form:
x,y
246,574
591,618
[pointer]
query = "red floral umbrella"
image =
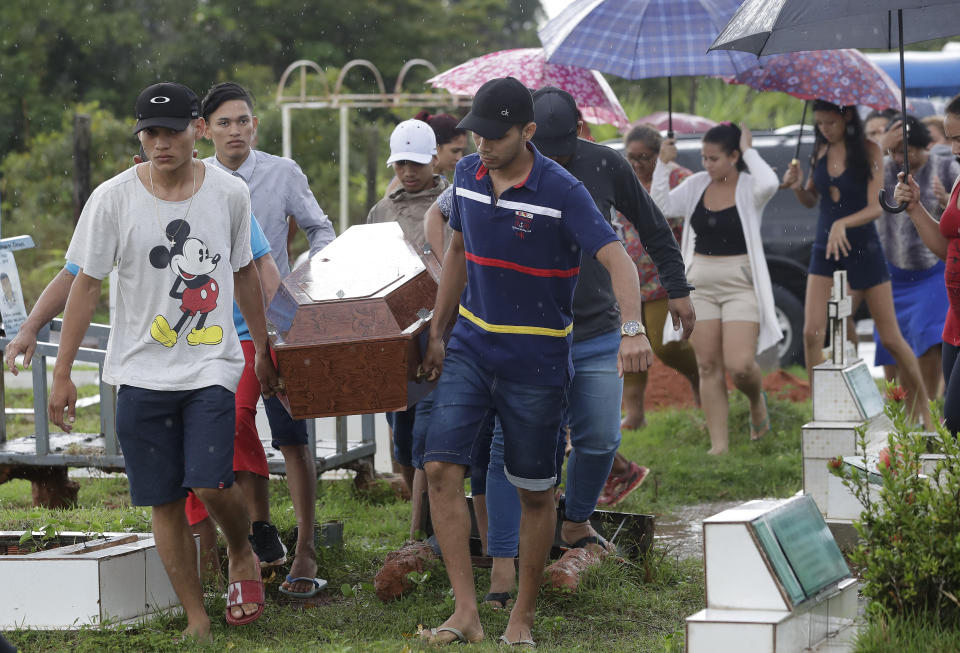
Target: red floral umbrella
x,y
683,123
844,77
593,94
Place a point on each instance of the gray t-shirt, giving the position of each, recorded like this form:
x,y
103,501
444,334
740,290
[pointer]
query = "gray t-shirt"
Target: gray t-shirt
x,y
168,288
902,245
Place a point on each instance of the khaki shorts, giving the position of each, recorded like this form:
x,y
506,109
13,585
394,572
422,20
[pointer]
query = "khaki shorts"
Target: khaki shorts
x,y
724,289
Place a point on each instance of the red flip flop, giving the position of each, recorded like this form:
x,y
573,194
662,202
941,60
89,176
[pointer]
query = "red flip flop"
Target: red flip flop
x,y
245,591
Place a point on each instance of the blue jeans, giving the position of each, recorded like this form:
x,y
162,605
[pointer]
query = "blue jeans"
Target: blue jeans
x,y
594,418
465,402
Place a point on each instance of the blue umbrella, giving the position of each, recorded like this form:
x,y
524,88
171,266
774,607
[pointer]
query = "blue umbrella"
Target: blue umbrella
x,y
775,26
639,39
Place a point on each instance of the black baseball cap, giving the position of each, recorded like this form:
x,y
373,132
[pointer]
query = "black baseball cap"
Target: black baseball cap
x,y
166,104
555,112
500,104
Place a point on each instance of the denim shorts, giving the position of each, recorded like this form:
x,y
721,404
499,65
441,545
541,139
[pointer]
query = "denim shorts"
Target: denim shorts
x,y
466,401
284,430
175,440
402,423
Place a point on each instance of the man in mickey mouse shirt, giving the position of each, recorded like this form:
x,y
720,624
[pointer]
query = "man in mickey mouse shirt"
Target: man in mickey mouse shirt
x,y
168,224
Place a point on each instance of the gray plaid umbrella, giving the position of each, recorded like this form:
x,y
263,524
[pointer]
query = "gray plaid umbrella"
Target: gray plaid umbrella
x,y
639,39
776,26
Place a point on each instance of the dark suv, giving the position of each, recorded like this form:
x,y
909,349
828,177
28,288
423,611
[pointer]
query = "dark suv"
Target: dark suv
x,y
788,230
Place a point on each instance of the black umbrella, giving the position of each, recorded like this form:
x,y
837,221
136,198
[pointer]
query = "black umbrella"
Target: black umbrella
x,y
775,26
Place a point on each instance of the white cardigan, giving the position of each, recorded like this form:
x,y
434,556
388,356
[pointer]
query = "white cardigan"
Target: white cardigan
x,y
754,190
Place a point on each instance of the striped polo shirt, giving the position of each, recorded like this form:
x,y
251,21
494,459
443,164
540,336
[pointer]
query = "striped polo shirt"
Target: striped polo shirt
x,y
523,257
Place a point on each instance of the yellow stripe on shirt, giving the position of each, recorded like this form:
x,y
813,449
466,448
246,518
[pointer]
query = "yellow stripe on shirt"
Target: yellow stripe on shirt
x,y
510,328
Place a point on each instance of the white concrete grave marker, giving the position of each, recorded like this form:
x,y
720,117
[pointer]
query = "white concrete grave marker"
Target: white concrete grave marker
x,y
776,581
101,579
845,396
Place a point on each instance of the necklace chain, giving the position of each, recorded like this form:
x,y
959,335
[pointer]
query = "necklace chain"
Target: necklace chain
x,y
156,203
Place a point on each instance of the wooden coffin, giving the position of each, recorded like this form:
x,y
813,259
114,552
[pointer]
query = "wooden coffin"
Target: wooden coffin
x,y
349,326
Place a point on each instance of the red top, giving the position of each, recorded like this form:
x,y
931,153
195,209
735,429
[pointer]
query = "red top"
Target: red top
x,y
950,229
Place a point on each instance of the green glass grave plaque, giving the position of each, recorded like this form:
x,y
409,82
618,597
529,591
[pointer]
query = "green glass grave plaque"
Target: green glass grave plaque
x,y
864,390
779,562
800,548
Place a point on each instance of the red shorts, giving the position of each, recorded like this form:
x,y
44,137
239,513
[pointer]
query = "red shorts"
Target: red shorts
x,y
248,453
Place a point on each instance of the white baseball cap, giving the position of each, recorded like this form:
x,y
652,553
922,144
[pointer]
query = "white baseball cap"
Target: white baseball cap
x,y
412,140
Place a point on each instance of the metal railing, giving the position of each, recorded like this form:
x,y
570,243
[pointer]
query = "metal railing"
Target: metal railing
x,y
101,450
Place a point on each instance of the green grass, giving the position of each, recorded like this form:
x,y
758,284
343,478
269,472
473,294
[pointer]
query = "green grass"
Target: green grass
x,y
18,426
674,446
907,636
620,607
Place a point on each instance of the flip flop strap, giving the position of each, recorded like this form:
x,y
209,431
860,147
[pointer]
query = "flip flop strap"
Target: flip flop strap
x,y
451,629
244,591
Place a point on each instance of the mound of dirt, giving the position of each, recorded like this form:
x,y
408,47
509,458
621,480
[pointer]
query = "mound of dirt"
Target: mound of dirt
x,y
668,388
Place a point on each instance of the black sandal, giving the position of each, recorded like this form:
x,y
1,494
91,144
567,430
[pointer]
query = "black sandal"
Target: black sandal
x,y
498,597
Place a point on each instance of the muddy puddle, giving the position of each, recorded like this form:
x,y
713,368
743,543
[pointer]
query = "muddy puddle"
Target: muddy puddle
x,y
681,531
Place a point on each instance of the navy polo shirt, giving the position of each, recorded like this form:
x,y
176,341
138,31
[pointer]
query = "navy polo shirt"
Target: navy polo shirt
x,y
523,254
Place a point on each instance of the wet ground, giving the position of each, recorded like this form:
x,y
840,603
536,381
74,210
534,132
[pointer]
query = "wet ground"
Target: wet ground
x,y
682,530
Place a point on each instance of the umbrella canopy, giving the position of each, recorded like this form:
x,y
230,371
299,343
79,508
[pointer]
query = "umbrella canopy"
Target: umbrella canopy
x,y
775,26
684,123
640,39
595,99
843,77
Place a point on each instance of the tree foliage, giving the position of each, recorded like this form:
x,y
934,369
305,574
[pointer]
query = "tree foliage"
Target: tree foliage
x,y
63,56
37,188
59,52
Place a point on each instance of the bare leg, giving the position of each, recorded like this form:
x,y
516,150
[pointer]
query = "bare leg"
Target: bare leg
x,y
880,301
620,464
302,483
932,371
256,494
890,372
852,329
707,340
176,548
681,357
634,387
209,554
815,321
229,510
451,522
538,520
740,360
416,503
503,578
408,472
480,511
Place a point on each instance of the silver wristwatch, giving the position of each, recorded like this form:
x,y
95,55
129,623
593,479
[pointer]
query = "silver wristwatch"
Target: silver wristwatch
x,y
632,328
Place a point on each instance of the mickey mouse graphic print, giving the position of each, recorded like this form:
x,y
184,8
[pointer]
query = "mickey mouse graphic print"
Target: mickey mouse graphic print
x,y
191,263
173,326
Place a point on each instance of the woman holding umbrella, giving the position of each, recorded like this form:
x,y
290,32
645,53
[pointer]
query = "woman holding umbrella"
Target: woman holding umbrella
x,y
846,178
723,252
943,241
916,274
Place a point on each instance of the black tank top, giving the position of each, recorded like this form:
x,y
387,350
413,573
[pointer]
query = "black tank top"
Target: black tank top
x,y
719,233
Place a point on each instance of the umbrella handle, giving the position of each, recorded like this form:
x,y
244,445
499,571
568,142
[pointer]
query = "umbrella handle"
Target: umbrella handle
x,y
903,111
896,208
